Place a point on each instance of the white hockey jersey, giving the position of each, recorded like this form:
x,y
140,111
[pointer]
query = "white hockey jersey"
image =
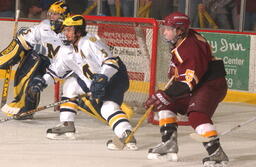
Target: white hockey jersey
x,y
92,56
43,35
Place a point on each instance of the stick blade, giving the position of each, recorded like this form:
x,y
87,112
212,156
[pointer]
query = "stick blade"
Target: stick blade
x,y
201,138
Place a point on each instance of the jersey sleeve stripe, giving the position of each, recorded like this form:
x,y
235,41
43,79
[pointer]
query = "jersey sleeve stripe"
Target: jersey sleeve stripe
x,y
23,43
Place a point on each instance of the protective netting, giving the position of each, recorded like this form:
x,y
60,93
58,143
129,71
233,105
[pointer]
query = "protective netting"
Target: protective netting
x,y
132,42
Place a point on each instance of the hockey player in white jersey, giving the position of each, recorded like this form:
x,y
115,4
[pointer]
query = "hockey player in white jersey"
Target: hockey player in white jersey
x,y
26,49
97,71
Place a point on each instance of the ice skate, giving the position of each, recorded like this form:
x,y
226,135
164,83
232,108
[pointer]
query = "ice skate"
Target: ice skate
x,y
65,130
131,146
166,150
216,159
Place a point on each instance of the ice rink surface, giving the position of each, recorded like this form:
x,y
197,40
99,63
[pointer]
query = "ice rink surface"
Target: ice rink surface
x,y
23,143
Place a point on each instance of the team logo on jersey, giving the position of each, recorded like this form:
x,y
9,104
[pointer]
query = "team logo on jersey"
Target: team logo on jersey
x,y
189,75
93,39
51,51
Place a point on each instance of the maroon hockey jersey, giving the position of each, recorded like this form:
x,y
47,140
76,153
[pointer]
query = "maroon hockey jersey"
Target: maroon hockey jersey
x,y
190,59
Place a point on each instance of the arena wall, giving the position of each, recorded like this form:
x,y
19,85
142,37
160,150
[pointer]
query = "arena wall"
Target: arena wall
x,y
238,51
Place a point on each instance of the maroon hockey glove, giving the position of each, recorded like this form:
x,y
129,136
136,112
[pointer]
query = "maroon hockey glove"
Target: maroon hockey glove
x,y
159,100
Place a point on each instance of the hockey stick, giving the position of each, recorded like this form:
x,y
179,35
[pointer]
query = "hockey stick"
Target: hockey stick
x,y
201,138
121,144
9,69
16,116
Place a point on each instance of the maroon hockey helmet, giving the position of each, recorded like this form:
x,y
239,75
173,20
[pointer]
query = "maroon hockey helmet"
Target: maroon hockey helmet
x,y
177,20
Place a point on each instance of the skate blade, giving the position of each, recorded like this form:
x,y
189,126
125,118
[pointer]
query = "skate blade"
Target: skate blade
x,y
131,147
127,147
54,136
168,156
113,147
214,164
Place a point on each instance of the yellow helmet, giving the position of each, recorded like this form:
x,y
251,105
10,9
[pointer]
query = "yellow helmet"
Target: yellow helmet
x,y
60,7
75,20
79,24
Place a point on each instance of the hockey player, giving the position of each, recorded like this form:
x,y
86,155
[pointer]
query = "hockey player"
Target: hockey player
x,y
97,71
22,49
199,86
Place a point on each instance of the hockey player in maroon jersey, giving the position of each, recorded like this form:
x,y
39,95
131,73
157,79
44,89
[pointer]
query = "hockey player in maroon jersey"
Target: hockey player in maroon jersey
x,y
199,86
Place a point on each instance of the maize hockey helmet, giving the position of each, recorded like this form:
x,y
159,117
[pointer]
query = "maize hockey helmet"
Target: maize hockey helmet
x,y
79,24
61,9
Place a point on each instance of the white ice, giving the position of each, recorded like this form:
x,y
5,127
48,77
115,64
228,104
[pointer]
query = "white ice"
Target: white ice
x,y
23,143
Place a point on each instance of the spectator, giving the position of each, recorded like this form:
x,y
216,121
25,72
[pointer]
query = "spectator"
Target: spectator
x,y
45,4
220,11
161,8
31,9
105,8
109,7
127,8
193,11
7,8
77,6
112,7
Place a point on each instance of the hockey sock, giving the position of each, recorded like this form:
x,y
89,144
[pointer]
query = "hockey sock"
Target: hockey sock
x,y
167,131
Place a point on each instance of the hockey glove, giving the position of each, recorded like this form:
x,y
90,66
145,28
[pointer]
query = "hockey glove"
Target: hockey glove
x,y
98,86
159,100
37,85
